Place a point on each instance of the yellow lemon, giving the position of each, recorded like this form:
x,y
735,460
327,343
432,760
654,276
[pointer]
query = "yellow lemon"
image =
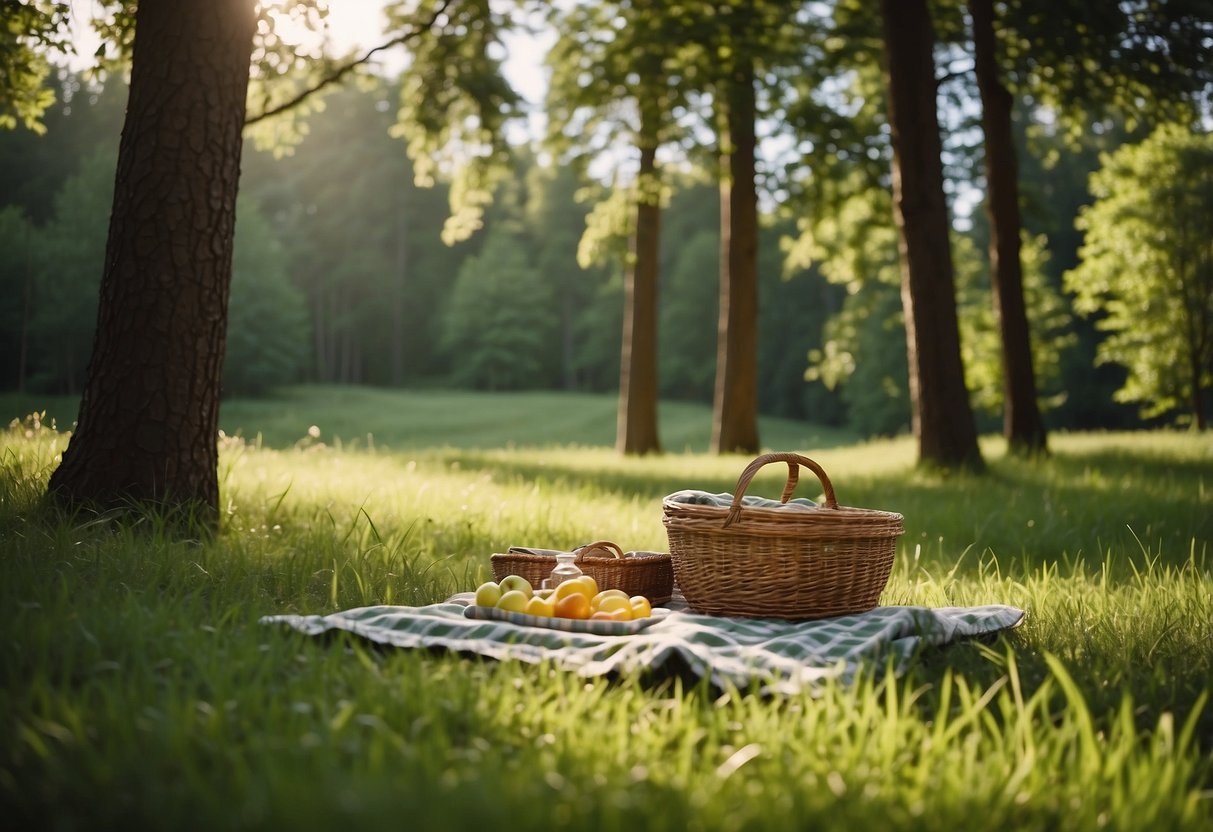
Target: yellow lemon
x,y
591,585
615,603
597,600
539,605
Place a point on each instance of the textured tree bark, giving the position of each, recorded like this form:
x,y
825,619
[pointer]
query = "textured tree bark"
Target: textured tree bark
x,y
636,421
942,414
735,403
148,420
1022,424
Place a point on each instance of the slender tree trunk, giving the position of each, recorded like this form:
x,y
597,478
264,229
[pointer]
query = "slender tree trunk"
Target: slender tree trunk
x,y
735,403
319,334
942,415
400,292
568,335
27,296
1022,424
149,414
636,422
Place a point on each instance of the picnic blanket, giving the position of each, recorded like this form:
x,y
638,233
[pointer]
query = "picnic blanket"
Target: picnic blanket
x,y
778,656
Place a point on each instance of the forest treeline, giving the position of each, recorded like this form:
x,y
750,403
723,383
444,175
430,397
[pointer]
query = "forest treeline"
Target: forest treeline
x,y
341,275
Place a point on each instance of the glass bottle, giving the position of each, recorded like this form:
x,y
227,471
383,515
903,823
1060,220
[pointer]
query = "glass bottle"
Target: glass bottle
x,y
566,568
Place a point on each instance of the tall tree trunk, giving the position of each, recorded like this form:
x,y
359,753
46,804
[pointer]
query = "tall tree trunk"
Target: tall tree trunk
x,y
149,414
942,415
27,295
1022,424
400,291
636,422
568,334
735,403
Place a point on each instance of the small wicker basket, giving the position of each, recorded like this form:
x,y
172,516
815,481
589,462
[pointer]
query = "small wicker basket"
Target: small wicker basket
x,y
650,574
763,562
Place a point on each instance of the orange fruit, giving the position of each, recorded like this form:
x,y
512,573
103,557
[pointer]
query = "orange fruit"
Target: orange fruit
x,y
574,605
612,615
573,586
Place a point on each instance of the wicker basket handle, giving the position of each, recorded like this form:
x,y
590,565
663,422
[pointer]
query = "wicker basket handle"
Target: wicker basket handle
x,y
611,548
794,462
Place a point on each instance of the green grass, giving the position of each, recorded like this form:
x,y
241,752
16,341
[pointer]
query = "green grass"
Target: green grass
x,y
361,417
138,690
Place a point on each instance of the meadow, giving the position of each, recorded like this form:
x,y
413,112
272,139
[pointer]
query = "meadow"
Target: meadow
x,y
139,690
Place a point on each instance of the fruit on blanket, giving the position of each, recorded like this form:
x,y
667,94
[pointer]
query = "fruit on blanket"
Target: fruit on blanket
x,y
641,608
611,615
512,601
591,585
613,603
573,605
596,601
539,605
573,586
516,582
488,594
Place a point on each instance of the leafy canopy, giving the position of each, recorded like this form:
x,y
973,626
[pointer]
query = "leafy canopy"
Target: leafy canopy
x,y
1147,269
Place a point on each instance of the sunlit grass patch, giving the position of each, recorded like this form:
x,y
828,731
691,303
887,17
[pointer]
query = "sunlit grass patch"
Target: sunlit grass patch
x,y
137,688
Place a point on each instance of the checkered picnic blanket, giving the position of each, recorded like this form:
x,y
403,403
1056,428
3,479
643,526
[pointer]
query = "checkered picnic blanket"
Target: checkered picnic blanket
x,y
778,656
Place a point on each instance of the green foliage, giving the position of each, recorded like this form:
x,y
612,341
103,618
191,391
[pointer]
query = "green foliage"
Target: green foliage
x,y
794,306
1147,270
863,348
687,350
84,118
285,66
69,260
864,355
981,347
588,312
17,240
362,242
618,74
498,321
267,329
1150,60
28,29
454,104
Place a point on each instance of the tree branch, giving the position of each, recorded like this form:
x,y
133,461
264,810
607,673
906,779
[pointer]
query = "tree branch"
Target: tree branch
x,y
345,69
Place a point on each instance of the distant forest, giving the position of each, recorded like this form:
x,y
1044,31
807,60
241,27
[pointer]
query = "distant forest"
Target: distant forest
x,y
341,275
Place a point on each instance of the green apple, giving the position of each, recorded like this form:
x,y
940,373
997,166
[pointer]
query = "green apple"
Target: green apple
x,y
488,594
512,601
518,583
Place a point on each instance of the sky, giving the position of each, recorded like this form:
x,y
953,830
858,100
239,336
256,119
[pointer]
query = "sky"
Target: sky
x,y
358,24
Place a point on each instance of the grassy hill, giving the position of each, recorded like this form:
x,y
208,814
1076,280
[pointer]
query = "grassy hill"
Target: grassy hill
x,y
362,416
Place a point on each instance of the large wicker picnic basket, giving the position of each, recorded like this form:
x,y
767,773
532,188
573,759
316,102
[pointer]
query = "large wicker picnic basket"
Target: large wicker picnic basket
x,y
650,574
780,561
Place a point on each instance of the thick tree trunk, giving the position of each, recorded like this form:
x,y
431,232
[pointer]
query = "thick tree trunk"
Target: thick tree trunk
x,y
636,423
149,414
942,414
735,404
1022,424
